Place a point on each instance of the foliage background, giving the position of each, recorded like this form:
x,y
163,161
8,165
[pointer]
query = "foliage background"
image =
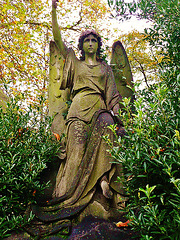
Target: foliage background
x,y
26,145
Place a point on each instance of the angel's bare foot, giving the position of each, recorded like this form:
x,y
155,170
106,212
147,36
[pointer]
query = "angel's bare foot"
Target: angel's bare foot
x,y
105,189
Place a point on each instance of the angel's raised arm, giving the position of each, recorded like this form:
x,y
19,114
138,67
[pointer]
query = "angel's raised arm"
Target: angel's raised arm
x,y
56,31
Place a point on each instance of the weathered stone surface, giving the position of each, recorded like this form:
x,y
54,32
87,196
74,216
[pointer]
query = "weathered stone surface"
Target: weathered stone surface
x,y
121,70
57,98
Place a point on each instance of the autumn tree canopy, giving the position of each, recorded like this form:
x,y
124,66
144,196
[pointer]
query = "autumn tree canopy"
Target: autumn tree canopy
x,y
26,32
23,41
25,35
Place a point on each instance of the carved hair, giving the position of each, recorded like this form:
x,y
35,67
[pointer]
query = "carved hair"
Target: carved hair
x,y
81,40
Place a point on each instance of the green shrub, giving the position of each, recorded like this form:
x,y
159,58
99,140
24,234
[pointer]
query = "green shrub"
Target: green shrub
x,y
26,145
150,150
150,156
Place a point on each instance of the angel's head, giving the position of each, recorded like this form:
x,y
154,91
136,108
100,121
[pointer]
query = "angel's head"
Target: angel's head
x,y
83,36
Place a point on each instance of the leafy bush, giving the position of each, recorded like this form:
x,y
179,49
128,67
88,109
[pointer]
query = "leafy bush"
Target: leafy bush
x,y
150,156
26,146
150,150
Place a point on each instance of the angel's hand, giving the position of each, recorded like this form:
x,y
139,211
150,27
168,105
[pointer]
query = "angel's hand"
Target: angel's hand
x,y
54,3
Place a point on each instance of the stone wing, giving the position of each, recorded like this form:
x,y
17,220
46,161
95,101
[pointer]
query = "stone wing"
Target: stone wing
x,y
122,70
57,98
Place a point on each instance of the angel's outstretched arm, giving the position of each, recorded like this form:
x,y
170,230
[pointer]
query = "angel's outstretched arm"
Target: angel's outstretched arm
x,y
56,31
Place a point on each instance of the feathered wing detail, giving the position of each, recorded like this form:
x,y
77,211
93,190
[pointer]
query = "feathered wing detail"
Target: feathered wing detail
x,y
122,70
57,98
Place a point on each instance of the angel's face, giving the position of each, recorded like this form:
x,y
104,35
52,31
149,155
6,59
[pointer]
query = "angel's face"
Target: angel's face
x,y
90,44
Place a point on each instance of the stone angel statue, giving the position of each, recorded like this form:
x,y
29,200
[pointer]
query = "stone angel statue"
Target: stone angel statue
x,y
86,179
